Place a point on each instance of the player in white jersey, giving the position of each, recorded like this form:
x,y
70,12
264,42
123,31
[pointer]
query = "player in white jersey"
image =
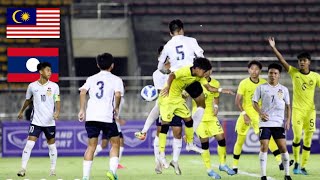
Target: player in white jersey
x,y
275,105
181,51
45,97
105,91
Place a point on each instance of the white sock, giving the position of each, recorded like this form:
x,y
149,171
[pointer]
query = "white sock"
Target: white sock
x,y
120,152
263,163
113,164
26,153
53,154
86,168
176,147
153,115
156,148
98,150
197,117
285,160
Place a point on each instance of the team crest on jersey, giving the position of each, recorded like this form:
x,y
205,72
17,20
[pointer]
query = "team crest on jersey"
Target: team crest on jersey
x,y
280,94
49,92
310,82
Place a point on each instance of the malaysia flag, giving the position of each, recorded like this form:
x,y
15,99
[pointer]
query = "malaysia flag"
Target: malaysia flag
x,y
33,23
22,63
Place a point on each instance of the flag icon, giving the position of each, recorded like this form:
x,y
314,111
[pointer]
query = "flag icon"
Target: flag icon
x,y
22,63
33,23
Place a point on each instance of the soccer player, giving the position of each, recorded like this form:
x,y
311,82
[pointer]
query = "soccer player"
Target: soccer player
x,y
211,127
172,103
105,91
303,109
45,96
273,122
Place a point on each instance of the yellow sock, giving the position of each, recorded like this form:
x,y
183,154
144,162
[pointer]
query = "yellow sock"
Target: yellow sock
x,y
297,132
306,148
189,134
162,142
237,149
296,152
275,150
206,158
222,153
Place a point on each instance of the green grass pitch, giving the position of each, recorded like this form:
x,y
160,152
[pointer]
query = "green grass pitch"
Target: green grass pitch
x,y
142,168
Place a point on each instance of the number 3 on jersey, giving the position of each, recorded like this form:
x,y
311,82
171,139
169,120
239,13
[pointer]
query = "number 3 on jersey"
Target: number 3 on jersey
x,y
100,93
179,50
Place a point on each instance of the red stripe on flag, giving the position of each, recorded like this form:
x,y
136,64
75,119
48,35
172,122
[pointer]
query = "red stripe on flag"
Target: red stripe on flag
x,y
29,77
48,8
33,51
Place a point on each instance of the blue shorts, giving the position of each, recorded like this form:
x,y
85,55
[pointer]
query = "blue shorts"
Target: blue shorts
x,y
275,132
109,130
105,137
49,131
176,121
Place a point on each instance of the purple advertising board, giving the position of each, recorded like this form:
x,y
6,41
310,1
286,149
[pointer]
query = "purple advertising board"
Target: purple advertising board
x,y
71,139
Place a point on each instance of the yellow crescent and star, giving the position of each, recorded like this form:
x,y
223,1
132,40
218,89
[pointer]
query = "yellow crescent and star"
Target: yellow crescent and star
x,y
24,16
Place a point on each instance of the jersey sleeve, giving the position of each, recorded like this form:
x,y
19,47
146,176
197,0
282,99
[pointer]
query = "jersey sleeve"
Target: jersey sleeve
x,y
163,55
216,85
241,88
57,90
119,86
203,81
29,92
257,94
197,49
86,85
287,96
157,81
181,73
292,70
318,80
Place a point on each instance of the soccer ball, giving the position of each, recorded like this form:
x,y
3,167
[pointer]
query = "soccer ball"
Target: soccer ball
x,y
149,93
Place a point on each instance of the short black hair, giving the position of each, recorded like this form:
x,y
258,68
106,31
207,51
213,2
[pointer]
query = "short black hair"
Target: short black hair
x,y
202,63
160,49
258,63
43,65
304,55
175,25
104,61
275,66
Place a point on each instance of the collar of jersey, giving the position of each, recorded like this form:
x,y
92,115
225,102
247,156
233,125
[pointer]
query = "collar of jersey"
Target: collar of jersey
x,y
275,85
104,72
42,84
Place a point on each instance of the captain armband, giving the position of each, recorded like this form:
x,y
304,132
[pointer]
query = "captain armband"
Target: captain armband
x,y
56,97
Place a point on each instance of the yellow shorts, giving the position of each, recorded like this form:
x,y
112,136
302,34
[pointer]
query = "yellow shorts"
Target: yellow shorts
x,y
169,108
304,119
208,129
242,128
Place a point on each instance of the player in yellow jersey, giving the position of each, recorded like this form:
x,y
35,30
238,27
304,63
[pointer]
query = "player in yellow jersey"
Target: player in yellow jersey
x,y
249,117
304,83
211,127
172,103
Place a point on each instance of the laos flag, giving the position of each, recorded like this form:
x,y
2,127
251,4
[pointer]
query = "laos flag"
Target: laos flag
x,y
22,63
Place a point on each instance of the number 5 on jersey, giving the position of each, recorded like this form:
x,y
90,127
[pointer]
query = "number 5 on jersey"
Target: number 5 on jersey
x,y
179,50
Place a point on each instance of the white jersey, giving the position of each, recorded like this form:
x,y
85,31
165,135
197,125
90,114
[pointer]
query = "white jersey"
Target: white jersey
x,y
159,79
43,102
102,87
181,51
274,99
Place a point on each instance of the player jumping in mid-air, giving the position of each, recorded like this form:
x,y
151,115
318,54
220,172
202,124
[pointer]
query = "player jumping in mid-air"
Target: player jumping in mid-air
x,y
45,96
275,116
105,91
304,84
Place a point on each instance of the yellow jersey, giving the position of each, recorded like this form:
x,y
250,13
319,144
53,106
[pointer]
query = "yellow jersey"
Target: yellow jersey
x,y
304,86
209,97
183,79
246,89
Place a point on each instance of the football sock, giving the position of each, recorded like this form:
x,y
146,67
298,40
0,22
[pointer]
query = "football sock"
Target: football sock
x,y
120,152
156,148
26,153
86,168
222,153
189,131
113,164
297,132
153,115
162,142
176,147
206,158
306,148
237,149
286,160
263,163
53,154
98,150
197,117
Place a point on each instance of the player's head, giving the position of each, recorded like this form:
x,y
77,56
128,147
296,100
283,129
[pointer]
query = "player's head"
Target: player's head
x,y
304,60
105,61
254,68
44,68
274,71
201,66
176,27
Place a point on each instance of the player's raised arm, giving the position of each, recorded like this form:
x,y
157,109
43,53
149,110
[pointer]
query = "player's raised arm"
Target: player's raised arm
x,y
26,103
220,90
284,63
